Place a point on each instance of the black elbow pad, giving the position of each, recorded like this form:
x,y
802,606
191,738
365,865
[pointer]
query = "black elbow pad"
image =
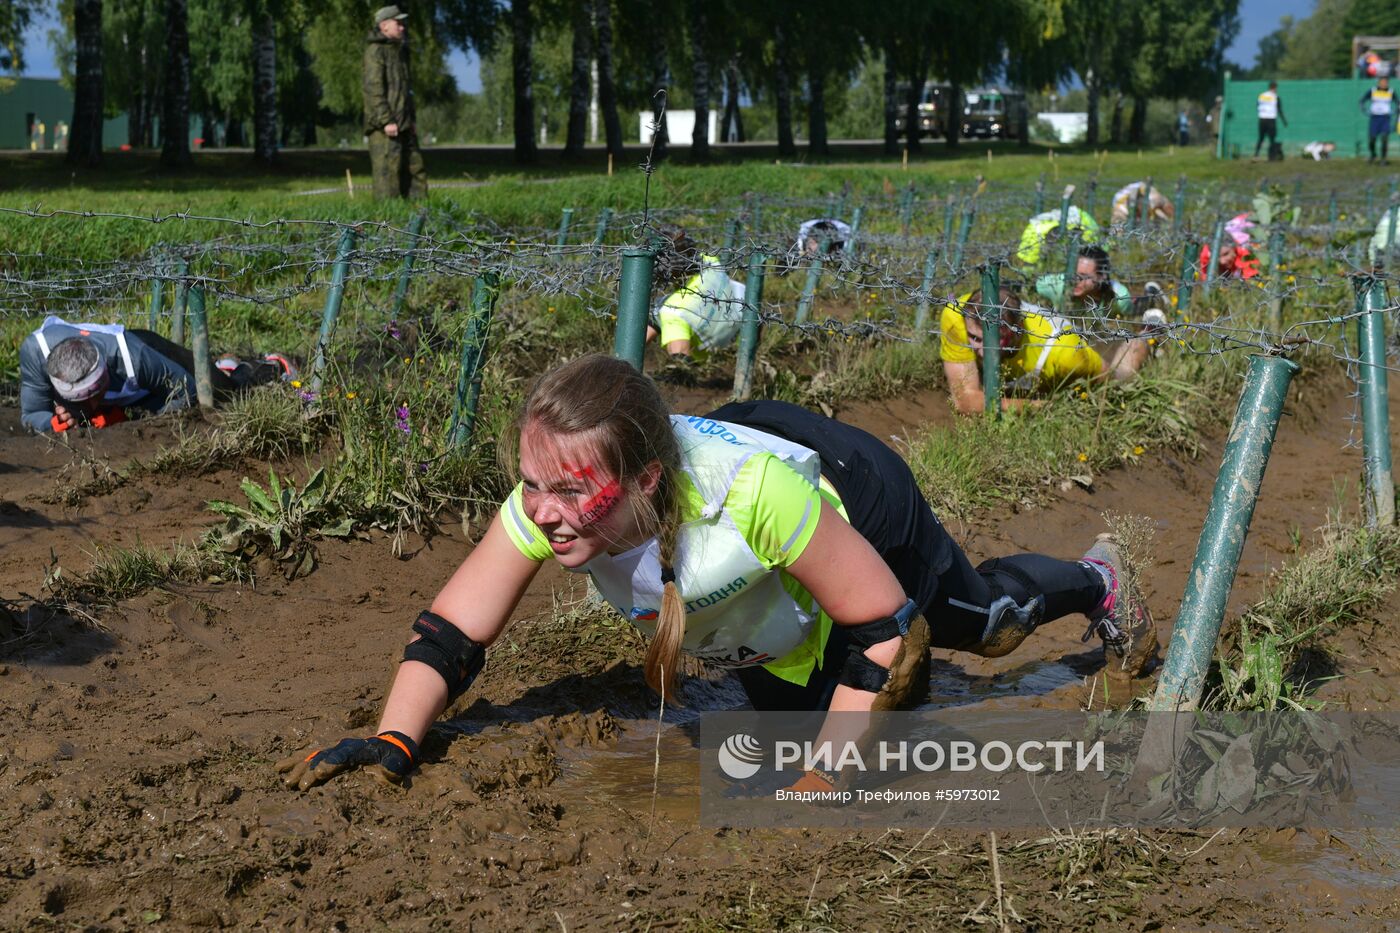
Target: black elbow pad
x,y
447,650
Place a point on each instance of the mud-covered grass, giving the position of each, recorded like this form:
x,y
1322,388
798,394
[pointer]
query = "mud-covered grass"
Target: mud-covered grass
x,y
117,573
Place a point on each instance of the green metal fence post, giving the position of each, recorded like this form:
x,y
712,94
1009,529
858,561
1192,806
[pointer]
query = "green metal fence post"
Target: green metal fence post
x,y
474,346
731,241
925,294
334,297
604,218
1188,275
1092,199
906,209
566,220
748,333
1331,223
1216,239
850,247
1179,208
948,208
809,287
157,301
1040,195
1222,539
1375,397
964,231
991,339
1065,201
415,230
1370,200
199,345
634,295
182,296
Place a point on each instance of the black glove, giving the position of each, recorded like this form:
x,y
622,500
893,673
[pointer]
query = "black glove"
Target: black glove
x,y
395,754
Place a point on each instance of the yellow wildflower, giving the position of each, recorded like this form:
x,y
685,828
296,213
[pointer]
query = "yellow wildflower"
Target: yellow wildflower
x,y
296,383
1083,458
1137,451
351,395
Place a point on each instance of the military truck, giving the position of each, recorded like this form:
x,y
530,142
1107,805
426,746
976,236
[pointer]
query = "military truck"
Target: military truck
x,y
931,112
993,113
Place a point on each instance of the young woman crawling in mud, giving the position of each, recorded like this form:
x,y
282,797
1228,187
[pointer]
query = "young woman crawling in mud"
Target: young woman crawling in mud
x,y
763,537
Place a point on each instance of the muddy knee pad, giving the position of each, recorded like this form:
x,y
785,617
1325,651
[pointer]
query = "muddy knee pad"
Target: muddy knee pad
x,y
907,684
1008,624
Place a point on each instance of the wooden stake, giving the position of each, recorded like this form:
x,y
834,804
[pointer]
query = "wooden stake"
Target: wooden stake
x,y
349,183
905,161
610,165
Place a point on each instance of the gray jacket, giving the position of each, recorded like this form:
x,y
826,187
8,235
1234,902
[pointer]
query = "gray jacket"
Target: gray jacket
x,y
171,385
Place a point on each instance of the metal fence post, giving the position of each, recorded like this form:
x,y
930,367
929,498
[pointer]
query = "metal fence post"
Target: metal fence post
x,y
199,345
604,218
1277,284
566,220
906,209
1065,201
182,296
634,295
474,346
731,241
1071,272
1222,539
991,340
332,309
1188,275
1179,213
748,333
809,287
157,301
1373,383
964,231
1215,241
850,247
1040,195
925,294
415,229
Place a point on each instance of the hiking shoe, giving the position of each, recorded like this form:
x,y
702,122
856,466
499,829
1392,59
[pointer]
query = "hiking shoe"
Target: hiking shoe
x,y
1121,619
287,367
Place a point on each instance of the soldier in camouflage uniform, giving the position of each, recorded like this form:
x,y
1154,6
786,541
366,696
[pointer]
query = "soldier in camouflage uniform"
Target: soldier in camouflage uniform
x,y
395,159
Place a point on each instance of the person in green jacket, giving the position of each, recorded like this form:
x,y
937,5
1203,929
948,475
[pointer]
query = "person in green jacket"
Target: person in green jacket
x,y
395,159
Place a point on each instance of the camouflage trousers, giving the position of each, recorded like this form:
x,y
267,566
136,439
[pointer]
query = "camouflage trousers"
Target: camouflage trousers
x,y
397,165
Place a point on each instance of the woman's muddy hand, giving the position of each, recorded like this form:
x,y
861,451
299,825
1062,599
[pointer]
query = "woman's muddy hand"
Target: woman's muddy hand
x,y
394,754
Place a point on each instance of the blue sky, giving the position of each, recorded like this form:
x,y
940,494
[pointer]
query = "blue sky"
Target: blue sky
x,y
1258,18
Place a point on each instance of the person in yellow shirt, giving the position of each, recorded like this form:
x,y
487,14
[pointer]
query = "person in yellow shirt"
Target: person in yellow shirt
x,y
1038,352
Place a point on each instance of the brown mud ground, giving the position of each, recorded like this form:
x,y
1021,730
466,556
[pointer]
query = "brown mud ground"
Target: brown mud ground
x,y
136,785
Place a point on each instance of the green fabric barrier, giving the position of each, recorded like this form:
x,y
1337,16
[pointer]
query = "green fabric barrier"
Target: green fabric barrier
x,y
1323,110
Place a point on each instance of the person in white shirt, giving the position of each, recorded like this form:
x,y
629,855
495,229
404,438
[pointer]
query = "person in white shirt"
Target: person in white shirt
x,y
1270,112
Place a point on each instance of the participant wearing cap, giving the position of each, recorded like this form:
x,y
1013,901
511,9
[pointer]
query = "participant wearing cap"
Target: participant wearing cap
x,y
73,374
395,159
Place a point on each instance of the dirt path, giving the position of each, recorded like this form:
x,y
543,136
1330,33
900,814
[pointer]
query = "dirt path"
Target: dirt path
x,y
136,788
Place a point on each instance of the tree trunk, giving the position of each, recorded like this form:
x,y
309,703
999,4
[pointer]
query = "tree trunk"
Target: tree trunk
x,y
1115,130
175,120
733,129
1137,126
891,103
607,91
264,87
134,113
522,35
700,80
816,112
911,107
952,118
579,86
782,91
85,133
660,78
1091,89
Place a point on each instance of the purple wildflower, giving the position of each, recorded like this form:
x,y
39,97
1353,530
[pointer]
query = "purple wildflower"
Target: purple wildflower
x,y
401,420
393,328
306,395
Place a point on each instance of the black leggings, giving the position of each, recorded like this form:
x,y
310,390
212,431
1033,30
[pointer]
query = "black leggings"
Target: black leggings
x,y
247,375
884,503
1267,129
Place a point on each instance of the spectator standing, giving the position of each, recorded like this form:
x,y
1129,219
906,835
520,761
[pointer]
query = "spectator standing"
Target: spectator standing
x,y
1183,129
1379,104
395,159
1270,112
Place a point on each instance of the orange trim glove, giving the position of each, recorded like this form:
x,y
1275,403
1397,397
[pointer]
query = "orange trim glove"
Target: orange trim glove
x,y
58,426
108,417
394,754
813,782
